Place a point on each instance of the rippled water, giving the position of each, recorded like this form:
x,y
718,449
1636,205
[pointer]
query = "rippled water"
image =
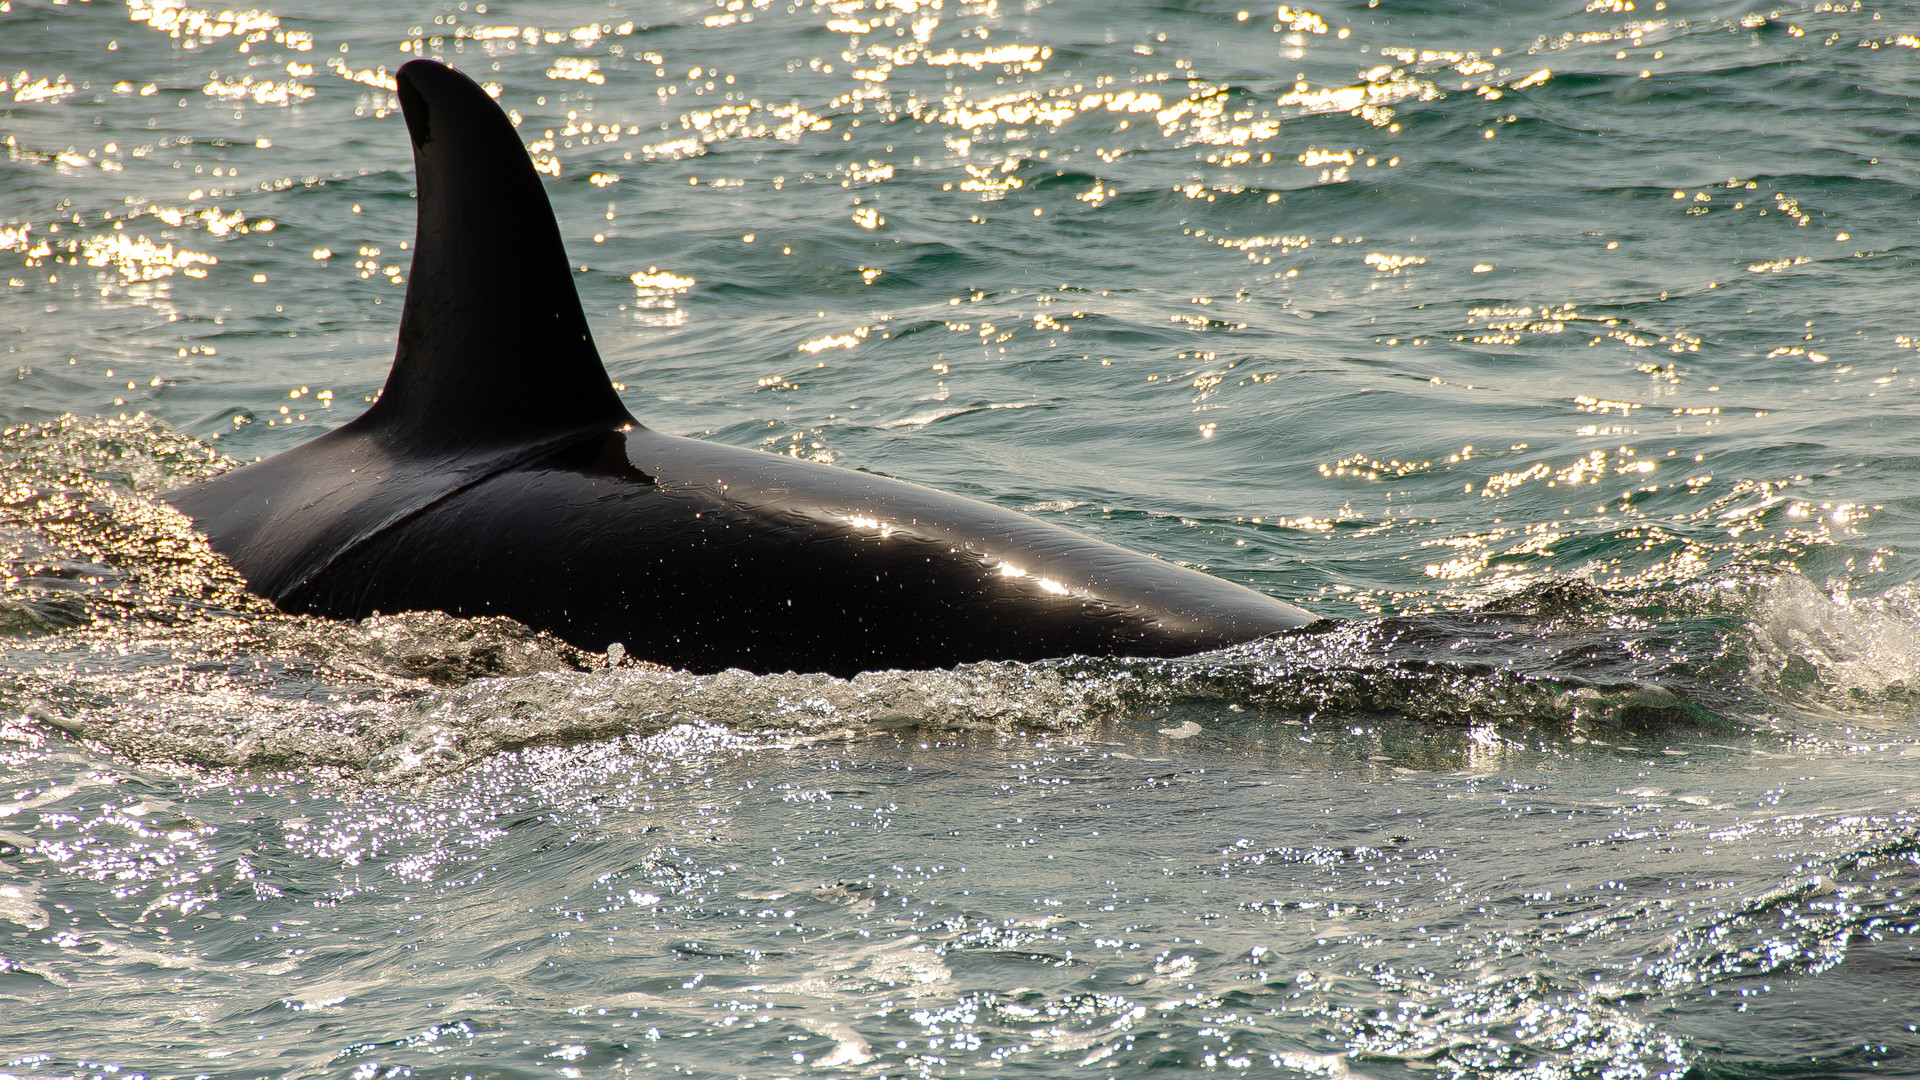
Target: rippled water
x,y
1553,352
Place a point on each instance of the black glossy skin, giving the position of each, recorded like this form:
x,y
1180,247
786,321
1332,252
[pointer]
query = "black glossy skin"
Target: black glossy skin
x,y
465,491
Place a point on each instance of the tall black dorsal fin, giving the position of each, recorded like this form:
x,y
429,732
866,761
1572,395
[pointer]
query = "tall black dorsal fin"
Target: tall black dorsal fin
x,y
493,345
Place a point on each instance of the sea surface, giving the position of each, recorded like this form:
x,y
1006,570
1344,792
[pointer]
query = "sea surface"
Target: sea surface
x,y
1561,355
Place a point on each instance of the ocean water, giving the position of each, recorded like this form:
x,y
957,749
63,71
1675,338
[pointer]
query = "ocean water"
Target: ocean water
x,y
1560,354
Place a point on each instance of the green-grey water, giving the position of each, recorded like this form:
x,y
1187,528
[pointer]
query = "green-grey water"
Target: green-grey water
x,y
1554,352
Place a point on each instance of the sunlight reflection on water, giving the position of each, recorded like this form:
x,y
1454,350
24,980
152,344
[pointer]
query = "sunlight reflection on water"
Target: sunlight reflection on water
x,y
1560,349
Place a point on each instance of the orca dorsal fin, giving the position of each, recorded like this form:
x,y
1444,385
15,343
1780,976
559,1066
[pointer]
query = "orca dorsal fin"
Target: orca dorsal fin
x,y
493,345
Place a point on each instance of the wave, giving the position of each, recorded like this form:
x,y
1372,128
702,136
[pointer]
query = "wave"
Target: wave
x,y
126,630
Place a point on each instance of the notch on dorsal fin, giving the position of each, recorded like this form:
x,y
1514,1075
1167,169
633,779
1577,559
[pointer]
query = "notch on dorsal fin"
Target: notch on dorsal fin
x,y
493,345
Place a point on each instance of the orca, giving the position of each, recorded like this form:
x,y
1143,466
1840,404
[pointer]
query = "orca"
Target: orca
x,y
498,473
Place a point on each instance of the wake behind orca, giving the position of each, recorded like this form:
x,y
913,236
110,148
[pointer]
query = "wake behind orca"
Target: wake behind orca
x,y
498,473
